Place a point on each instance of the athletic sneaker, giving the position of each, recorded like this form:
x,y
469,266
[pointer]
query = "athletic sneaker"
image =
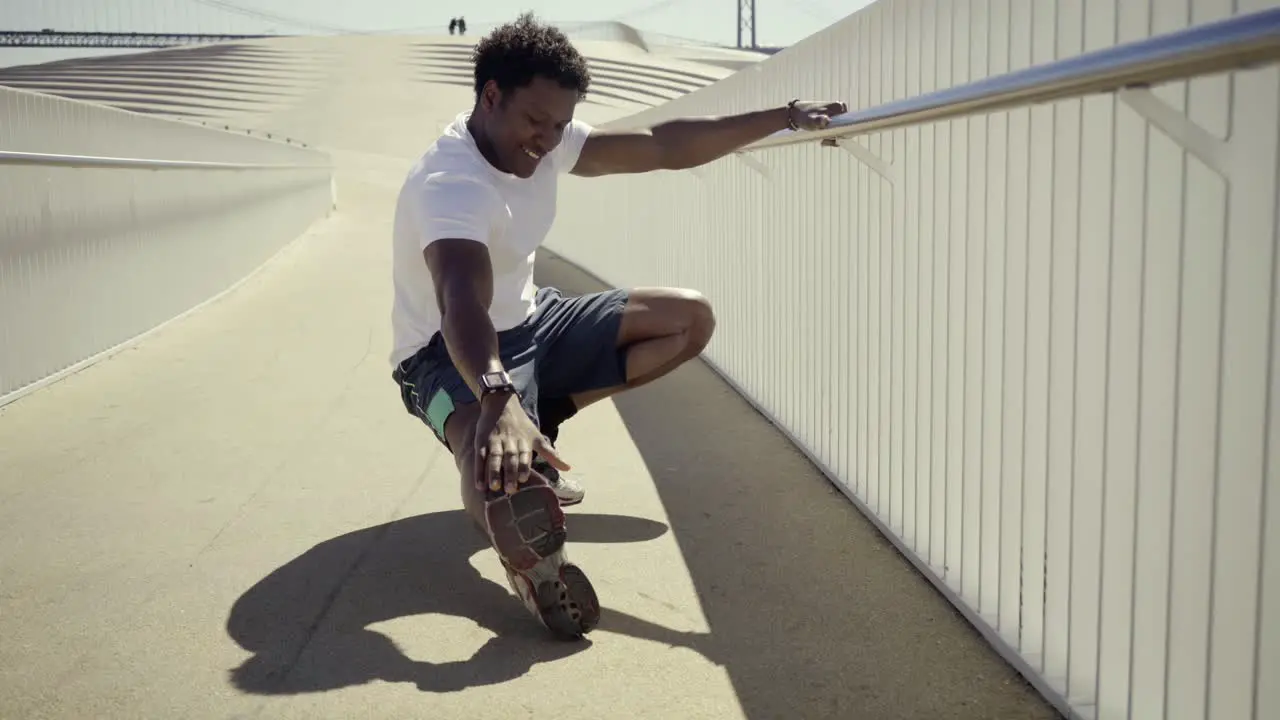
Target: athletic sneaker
x,y
569,491
559,594
527,529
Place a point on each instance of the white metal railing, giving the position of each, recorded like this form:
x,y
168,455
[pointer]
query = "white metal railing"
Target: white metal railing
x,y
1231,44
1037,346
137,221
8,157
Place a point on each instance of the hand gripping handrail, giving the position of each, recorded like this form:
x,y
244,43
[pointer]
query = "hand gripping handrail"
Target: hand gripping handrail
x,y
1237,43
8,157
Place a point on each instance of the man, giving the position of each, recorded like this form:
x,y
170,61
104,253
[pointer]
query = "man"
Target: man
x,y
469,323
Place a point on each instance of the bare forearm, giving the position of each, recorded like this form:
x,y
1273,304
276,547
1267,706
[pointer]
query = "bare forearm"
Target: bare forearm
x,y
694,141
471,340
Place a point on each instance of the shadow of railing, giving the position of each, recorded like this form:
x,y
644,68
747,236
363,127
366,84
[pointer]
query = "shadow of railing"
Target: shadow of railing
x,y
812,612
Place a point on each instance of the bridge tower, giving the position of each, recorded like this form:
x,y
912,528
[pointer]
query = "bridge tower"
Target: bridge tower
x,y
747,21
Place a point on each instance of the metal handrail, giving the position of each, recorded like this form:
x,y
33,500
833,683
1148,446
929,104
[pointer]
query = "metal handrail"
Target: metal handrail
x,y
9,157
1237,43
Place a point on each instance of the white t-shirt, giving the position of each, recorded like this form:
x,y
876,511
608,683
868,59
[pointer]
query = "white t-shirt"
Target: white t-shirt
x,y
453,192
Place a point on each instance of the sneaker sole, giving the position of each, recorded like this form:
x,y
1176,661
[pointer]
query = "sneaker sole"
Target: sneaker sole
x,y
527,530
526,527
565,600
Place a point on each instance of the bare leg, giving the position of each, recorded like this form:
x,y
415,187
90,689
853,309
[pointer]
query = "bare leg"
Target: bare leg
x,y
529,532
460,431
662,328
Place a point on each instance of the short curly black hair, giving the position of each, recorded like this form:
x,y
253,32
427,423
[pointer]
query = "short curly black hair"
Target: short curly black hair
x,y
514,53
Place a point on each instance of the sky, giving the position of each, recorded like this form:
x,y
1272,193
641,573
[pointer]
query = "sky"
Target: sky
x,y
778,22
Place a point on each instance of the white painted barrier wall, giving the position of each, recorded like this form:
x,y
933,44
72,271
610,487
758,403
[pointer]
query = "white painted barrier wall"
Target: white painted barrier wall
x,y
1038,347
91,257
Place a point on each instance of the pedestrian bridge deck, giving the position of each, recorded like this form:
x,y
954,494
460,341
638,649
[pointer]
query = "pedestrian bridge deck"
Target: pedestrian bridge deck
x,y
235,518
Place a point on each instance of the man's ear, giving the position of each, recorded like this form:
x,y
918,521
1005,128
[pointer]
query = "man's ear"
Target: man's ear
x,y
490,95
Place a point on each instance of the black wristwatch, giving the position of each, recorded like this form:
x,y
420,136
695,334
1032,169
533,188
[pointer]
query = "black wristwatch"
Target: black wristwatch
x,y
496,382
791,109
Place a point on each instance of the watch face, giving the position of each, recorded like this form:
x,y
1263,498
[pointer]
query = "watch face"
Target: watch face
x,y
495,379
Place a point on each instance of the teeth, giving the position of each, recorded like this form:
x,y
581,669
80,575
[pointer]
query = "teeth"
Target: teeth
x,y
531,153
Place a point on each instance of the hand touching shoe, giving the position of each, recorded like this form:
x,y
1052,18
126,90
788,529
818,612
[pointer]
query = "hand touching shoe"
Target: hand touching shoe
x,y
506,440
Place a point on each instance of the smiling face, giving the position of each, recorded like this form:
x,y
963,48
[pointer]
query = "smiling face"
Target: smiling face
x,y
517,128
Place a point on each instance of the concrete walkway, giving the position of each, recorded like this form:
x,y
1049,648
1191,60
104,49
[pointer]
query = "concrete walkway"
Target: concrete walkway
x,y
236,518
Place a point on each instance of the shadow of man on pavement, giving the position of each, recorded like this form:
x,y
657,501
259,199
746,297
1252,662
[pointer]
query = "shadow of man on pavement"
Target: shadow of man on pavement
x,y
307,623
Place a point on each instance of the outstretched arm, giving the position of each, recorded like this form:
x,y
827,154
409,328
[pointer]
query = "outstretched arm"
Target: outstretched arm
x,y
463,278
453,215
685,143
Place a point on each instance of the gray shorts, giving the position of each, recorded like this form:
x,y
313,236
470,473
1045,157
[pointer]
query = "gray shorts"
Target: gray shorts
x,y
568,345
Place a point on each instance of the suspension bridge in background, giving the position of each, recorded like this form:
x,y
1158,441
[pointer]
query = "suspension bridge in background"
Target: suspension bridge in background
x,y
188,13
54,38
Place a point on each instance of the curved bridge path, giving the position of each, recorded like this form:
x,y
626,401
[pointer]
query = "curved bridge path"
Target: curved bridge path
x,y
235,518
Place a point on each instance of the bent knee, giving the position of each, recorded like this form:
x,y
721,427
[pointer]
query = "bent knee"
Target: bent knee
x,y
700,318
659,312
